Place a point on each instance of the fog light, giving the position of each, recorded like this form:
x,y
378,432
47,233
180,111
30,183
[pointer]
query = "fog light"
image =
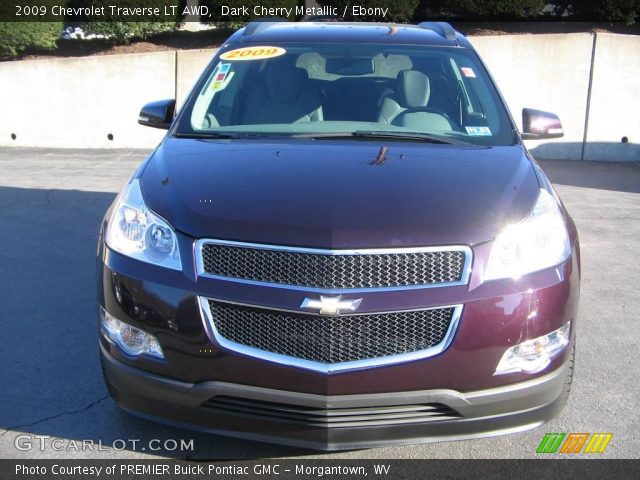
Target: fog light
x,y
534,355
131,340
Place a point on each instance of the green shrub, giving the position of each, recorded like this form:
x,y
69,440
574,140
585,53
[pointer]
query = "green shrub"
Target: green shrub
x,y
237,21
507,9
399,10
18,37
117,30
589,10
626,11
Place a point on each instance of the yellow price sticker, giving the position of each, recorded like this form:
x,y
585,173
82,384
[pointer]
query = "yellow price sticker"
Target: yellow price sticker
x,y
253,53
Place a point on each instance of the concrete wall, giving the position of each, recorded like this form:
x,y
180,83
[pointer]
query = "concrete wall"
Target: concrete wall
x,y
79,102
545,72
615,99
190,65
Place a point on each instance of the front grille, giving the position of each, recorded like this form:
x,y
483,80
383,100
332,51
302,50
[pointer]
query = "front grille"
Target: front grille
x,y
331,340
334,271
328,417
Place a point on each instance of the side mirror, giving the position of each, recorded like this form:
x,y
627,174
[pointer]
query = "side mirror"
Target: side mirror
x,y
157,114
537,125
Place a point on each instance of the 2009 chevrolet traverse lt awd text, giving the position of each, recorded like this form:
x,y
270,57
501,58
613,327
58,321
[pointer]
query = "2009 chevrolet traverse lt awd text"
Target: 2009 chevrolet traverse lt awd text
x,y
341,242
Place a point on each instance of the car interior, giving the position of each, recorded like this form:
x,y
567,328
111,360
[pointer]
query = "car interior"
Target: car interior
x,y
425,94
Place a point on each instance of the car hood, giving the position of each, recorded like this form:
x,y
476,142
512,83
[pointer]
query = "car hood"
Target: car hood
x,y
338,193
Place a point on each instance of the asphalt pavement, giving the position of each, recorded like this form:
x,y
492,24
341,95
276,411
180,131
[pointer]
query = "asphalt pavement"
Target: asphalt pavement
x,y
53,400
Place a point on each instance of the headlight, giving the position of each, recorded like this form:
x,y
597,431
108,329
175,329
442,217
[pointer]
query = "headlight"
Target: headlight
x,y
534,355
137,232
537,242
130,339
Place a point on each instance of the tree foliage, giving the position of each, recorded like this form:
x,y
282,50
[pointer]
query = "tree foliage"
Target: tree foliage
x,y
237,19
505,9
18,37
399,10
627,11
118,29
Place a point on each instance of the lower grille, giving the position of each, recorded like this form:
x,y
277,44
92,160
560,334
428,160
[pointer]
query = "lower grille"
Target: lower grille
x,y
331,340
332,417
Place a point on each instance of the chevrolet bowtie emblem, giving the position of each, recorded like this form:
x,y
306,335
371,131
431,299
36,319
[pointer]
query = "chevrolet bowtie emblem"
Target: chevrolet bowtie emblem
x,y
331,305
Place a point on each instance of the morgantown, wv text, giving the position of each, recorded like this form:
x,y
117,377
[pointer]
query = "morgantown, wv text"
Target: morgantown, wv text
x,y
163,469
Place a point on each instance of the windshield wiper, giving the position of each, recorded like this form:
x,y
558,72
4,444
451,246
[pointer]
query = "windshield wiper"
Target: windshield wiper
x,y
220,135
416,137
374,134
204,135
408,136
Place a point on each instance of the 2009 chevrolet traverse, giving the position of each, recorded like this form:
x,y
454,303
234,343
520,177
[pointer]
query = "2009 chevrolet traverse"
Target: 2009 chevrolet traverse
x,y
341,242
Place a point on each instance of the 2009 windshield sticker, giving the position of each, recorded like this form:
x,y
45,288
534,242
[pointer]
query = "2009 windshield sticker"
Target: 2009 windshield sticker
x,y
479,131
253,53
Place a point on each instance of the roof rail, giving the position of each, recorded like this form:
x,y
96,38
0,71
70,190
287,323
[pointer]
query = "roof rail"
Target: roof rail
x,y
257,25
443,29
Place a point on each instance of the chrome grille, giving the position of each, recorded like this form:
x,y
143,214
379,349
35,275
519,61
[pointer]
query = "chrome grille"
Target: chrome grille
x,y
332,417
323,269
331,340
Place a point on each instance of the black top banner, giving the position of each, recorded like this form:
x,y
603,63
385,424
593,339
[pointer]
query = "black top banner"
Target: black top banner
x,y
208,11
216,11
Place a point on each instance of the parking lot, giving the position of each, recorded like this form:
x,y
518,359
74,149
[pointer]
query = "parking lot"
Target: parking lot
x,y
51,202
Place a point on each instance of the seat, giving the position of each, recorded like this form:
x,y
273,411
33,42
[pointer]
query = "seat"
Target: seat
x,y
407,106
284,96
446,97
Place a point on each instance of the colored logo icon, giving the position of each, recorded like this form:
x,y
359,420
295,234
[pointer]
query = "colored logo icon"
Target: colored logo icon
x,y
574,443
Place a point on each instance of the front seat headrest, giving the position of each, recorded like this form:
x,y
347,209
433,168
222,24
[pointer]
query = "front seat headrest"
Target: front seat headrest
x,y
413,88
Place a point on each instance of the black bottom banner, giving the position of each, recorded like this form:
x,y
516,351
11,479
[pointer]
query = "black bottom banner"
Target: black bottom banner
x,y
312,469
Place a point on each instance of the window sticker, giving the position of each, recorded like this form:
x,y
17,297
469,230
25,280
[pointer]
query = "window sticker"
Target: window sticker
x,y
253,53
468,72
219,76
221,85
479,131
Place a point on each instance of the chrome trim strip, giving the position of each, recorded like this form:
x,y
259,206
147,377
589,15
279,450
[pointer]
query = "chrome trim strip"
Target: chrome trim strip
x,y
316,314
214,336
200,271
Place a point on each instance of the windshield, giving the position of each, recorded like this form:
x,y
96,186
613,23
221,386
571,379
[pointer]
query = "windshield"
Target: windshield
x,y
316,89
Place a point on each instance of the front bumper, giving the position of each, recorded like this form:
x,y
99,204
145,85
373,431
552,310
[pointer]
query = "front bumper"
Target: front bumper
x,y
482,413
182,388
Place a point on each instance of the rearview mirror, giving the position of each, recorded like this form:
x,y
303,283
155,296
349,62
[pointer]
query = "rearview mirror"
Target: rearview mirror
x,y
349,66
157,114
537,124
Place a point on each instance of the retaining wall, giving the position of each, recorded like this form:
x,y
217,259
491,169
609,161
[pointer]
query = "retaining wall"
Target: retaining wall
x,y
592,81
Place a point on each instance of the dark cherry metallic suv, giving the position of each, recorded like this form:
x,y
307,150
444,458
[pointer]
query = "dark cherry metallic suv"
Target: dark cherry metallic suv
x,y
341,242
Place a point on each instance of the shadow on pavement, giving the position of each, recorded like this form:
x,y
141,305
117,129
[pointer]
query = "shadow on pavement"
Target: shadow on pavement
x,y
614,176
50,375
622,175
628,151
